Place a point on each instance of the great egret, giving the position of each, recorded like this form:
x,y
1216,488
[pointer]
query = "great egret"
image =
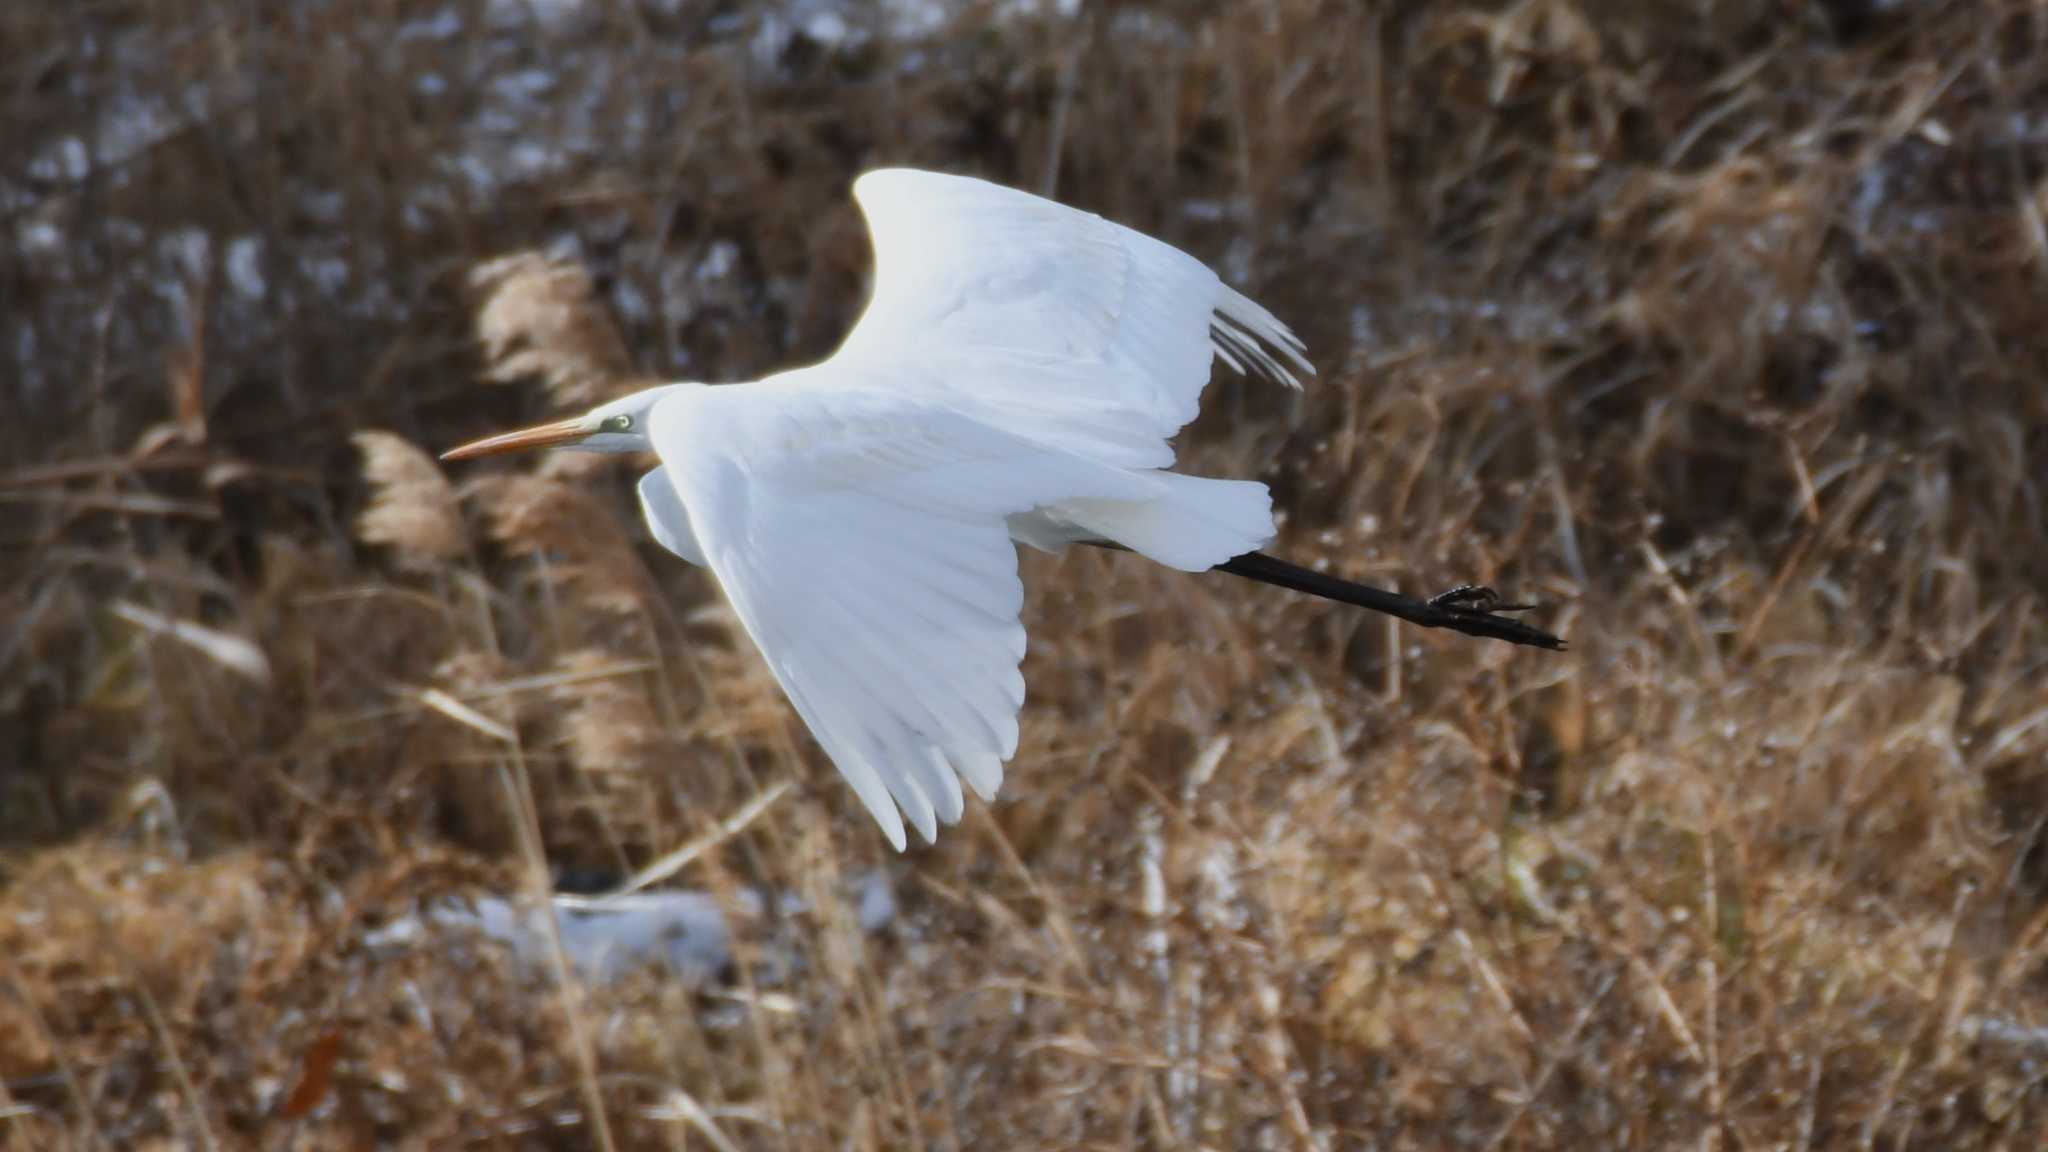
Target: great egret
x,y
1016,377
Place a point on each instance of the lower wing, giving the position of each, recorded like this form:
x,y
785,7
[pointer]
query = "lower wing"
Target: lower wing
x,y
860,537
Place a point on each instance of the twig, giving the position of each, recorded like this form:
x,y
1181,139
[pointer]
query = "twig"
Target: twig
x,y
65,1071
681,858
518,789
464,715
179,1071
519,799
1557,1056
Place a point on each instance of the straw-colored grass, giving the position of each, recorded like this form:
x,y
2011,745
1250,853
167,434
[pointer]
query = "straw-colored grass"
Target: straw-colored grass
x,y
1718,328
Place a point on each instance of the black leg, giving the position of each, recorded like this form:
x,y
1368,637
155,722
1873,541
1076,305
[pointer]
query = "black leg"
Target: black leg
x,y
1471,608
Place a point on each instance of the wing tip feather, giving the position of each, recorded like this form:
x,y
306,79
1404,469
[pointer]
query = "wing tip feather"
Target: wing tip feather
x,y
982,771
1244,333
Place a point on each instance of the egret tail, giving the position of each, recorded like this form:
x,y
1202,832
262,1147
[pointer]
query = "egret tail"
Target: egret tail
x,y
1192,523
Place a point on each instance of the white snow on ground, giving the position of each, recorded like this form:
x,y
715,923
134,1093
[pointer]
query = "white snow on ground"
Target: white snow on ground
x,y
245,267
606,937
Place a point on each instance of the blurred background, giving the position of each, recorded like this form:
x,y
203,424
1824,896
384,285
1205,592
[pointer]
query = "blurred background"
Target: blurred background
x,y
1718,326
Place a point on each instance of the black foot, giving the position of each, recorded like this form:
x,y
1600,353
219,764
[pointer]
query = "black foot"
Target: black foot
x,y
1474,598
1473,608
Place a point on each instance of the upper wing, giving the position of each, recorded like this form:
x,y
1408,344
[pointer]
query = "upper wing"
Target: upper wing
x,y
1077,331
860,538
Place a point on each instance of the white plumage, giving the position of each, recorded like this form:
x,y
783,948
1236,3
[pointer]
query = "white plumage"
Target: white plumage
x,y
1016,376
1053,322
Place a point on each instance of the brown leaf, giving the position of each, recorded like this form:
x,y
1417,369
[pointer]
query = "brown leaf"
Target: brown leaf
x,y
316,1073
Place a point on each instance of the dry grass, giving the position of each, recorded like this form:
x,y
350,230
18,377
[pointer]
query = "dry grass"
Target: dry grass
x,y
1719,327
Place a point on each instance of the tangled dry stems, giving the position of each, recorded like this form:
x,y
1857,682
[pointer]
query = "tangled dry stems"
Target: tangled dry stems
x,y
1717,328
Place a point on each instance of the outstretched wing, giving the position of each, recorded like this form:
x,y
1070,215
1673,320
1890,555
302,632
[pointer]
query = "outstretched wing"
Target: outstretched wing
x,y
1077,331
859,536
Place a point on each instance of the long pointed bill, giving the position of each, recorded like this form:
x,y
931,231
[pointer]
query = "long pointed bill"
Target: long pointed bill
x,y
544,436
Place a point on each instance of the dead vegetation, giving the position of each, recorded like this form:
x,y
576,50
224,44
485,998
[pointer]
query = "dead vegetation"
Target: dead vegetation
x,y
1719,327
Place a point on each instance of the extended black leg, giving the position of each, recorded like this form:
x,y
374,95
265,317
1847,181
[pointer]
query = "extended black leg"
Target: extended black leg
x,y
1469,608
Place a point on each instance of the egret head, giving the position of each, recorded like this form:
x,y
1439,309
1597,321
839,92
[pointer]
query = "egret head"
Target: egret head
x,y
620,426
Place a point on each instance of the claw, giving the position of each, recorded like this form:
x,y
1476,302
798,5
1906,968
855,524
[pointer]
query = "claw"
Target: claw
x,y
1474,598
1464,596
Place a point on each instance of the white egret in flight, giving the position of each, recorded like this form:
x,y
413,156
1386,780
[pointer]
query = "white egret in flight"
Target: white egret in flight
x,y
1016,377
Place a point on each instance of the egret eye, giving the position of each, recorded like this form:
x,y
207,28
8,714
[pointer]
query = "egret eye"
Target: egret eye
x,y
616,424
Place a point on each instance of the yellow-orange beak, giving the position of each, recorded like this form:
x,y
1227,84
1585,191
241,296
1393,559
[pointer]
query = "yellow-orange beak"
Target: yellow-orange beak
x,y
543,436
